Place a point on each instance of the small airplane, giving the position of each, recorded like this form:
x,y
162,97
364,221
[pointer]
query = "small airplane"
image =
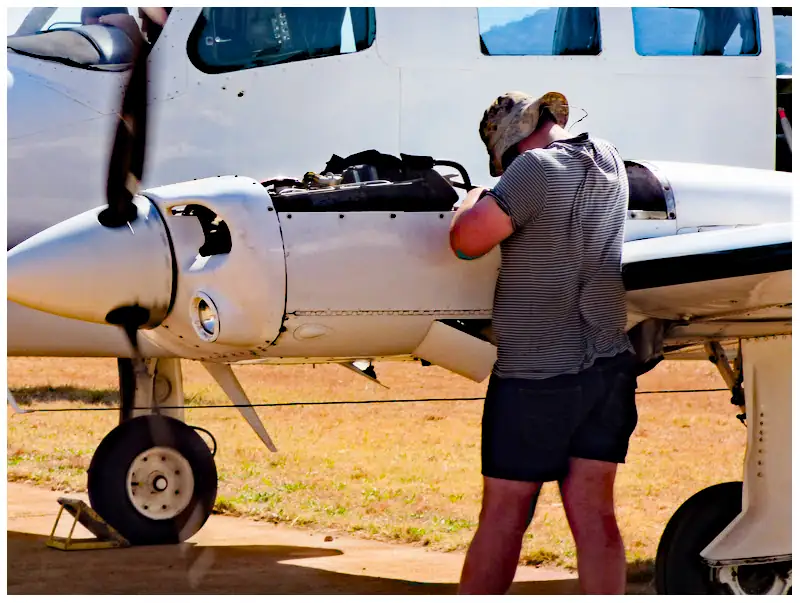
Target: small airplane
x,y
349,262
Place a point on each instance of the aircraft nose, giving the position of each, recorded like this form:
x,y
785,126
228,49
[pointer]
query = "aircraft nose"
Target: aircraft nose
x,y
83,270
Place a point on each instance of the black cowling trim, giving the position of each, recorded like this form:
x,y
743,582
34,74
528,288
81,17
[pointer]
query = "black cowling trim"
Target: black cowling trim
x,y
695,268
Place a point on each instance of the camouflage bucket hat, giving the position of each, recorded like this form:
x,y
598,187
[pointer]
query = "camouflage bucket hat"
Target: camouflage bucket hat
x,y
512,117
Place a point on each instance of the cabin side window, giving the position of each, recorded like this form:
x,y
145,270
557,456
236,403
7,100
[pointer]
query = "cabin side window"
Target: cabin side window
x,y
782,20
231,39
696,31
539,31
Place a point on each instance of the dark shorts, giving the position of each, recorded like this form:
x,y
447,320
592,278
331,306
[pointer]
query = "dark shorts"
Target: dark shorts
x,y
532,427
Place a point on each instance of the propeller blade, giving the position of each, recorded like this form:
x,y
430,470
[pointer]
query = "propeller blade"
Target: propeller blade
x,y
125,171
126,165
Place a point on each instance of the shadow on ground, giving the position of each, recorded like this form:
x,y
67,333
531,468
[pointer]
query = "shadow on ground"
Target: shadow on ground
x,y
25,396
48,393
34,568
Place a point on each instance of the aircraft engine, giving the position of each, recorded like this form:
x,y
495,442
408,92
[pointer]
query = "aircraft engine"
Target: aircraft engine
x,y
206,272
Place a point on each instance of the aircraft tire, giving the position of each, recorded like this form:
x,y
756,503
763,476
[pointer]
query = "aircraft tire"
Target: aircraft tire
x,y
679,569
154,479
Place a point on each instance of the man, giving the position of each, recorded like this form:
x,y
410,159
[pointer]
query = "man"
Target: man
x,y
560,403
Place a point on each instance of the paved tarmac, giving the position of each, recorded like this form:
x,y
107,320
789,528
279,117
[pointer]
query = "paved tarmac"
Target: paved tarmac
x,y
233,555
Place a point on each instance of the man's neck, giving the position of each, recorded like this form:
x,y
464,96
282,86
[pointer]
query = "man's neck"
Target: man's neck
x,y
544,137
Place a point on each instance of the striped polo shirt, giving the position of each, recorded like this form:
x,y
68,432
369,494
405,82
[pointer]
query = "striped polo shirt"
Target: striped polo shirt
x,y
559,300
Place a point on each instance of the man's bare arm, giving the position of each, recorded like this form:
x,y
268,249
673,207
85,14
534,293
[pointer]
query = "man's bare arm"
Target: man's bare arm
x,y
478,226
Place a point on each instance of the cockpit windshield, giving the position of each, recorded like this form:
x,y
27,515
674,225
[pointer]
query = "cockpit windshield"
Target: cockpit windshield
x,y
89,37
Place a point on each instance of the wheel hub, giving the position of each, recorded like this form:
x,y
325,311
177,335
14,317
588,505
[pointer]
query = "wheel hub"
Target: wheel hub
x,y
160,483
763,579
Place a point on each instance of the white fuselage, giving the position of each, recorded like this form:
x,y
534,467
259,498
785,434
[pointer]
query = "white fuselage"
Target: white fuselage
x,y
329,285
421,88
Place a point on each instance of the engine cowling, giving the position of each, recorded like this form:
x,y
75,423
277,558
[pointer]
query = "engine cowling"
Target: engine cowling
x,y
231,287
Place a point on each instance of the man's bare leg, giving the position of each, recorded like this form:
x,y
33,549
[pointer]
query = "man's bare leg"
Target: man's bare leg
x,y
588,496
493,556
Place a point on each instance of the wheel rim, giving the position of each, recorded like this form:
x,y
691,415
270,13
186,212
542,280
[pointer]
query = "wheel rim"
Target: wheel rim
x,y
767,579
160,483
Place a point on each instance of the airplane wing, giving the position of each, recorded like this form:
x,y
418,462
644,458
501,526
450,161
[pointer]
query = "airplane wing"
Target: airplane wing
x,y
724,283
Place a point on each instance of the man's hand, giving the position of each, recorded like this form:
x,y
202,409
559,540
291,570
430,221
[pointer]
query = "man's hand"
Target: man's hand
x,y
127,24
469,201
156,15
478,226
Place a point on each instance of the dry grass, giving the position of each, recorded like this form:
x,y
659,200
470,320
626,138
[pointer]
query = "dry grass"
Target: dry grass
x,y
407,472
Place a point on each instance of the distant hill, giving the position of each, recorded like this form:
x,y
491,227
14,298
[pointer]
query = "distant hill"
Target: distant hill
x,y
531,35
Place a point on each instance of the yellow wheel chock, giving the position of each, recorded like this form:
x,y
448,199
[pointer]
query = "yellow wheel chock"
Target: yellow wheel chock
x,y
107,536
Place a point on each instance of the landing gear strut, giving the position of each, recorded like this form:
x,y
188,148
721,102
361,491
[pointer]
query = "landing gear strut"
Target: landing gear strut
x,y
735,538
153,478
680,570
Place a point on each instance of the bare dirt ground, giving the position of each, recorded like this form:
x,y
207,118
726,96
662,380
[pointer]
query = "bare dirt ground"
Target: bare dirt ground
x,y
234,556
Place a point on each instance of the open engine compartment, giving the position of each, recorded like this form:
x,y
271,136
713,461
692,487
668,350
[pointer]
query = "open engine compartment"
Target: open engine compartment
x,y
370,181
374,181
